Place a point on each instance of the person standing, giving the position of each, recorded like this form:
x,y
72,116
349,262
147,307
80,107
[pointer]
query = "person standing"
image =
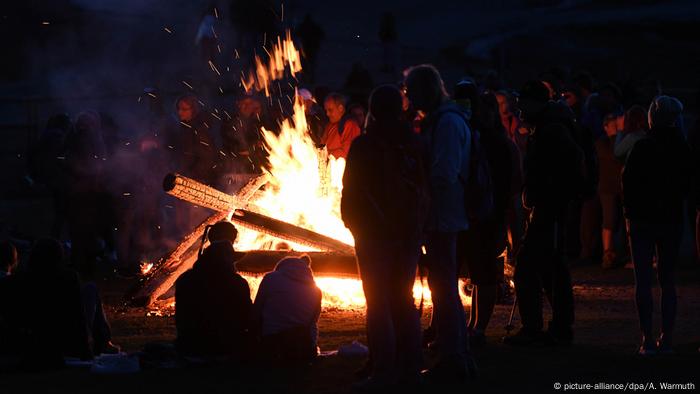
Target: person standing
x,y
609,189
448,139
554,174
384,204
655,181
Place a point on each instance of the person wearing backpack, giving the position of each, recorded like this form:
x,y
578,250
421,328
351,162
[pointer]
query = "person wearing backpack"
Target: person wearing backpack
x,y
555,174
482,245
656,180
384,204
448,140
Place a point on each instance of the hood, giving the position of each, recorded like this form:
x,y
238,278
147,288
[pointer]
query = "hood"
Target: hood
x,y
296,268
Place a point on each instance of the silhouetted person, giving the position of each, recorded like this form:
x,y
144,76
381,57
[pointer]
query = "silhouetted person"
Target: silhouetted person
x,y
384,204
341,128
47,314
191,154
656,179
694,202
88,216
286,311
518,134
47,166
511,122
192,142
311,36
486,239
554,173
212,301
206,38
242,136
448,139
609,189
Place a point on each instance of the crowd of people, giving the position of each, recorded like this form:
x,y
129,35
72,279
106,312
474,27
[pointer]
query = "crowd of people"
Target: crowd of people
x,y
444,183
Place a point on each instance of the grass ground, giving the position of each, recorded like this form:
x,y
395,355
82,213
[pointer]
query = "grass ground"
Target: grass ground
x,y
604,352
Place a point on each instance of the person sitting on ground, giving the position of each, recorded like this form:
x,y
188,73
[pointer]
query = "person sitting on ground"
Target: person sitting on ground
x,y
96,319
341,128
48,314
656,180
286,311
212,301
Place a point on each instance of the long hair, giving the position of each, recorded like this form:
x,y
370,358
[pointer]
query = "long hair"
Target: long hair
x,y
425,86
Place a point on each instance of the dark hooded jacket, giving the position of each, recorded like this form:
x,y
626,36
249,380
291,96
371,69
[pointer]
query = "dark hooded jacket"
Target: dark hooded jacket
x,y
46,317
212,306
657,177
554,162
368,208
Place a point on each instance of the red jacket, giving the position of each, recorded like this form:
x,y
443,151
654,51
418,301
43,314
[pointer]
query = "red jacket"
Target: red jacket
x,y
338,144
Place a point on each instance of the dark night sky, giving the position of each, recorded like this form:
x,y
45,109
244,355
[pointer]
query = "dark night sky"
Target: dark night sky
x,y
116,48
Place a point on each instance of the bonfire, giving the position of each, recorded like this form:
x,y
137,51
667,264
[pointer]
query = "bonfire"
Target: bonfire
x,y
293,206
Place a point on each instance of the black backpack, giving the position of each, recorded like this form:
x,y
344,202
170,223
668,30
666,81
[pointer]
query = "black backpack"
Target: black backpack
x,y
405,188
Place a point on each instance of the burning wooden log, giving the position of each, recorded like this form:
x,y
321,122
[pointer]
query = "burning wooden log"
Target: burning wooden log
x,y
189,190
169,267
202,195
172,265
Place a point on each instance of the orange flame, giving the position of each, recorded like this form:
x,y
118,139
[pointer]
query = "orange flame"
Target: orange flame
x,y
304,188
282,57
146,267
347,293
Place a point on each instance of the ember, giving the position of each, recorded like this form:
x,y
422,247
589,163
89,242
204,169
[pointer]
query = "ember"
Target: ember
x,y
294,205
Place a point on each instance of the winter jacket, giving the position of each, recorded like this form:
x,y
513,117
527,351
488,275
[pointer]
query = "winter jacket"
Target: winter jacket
x,y
288,298
46,315
367,203
448,139
657,177
212,305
